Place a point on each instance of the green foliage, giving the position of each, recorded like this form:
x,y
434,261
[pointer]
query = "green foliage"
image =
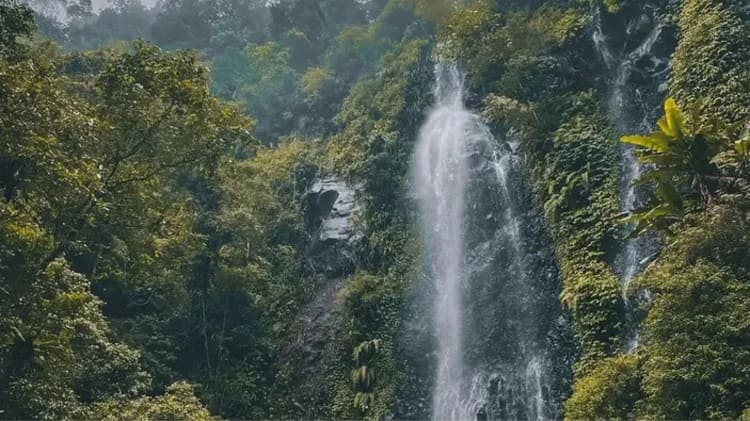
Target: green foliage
x,y
378,123
613,6
684,175
56,349
267,84
363,300
208,281
507,112
81,156
125,20
689,353
371,307
178,403
577,180
581,185
16,20
314,80
693,332
439,11
262,213
470,33
610,391
145,240
371,113
521,61
363,375
695,323
501,49
260,268
710,63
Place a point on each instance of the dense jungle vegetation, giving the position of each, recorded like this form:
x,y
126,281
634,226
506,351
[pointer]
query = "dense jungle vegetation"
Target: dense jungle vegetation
x,y
160,247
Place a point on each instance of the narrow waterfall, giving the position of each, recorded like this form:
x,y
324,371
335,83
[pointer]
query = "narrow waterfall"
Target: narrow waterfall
x,y
493,294
632,107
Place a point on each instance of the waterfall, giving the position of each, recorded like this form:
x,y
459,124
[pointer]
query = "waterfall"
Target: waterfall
x,y
441,176
491,311
632,111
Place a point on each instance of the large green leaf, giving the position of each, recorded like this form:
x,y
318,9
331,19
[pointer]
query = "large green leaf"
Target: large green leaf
x,y
673,122
655,141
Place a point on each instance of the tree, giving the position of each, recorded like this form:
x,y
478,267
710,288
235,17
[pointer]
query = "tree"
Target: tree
x,y
178,403
269,89
84,154
16,20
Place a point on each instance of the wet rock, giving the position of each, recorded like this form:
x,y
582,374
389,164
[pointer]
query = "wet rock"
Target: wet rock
x,y
331,210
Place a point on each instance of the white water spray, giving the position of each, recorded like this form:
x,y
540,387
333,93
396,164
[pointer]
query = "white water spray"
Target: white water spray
x,y
442,168
441,176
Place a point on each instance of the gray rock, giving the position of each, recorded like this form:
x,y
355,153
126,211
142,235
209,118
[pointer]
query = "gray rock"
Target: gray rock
x,y
332,209
336,206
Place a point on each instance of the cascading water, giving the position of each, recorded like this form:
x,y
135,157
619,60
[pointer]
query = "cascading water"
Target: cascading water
x,y
494,303
441,175
632,110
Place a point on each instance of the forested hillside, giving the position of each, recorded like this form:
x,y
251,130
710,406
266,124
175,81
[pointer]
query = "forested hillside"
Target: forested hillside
x,y
374,209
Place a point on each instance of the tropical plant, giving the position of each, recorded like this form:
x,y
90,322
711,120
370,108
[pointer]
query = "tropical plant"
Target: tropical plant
x,y
691,162
363,377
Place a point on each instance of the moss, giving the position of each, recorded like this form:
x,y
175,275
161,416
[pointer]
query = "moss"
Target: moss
x,y
694,334
697,324
610,391
579,185
711,60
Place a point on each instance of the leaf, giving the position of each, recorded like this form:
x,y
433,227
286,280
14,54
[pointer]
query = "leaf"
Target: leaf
x,y
666,191
18,333
672,124
742,146
656,141
695,116
569,296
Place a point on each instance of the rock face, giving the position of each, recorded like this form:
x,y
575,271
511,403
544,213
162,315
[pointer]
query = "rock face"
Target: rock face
x,y
332,208
336,205
309,360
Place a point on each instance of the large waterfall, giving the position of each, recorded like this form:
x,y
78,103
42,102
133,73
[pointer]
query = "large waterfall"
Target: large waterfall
x,y
493,294
441,174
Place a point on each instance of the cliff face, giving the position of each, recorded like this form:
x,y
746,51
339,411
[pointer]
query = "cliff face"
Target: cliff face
x,y
550,271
